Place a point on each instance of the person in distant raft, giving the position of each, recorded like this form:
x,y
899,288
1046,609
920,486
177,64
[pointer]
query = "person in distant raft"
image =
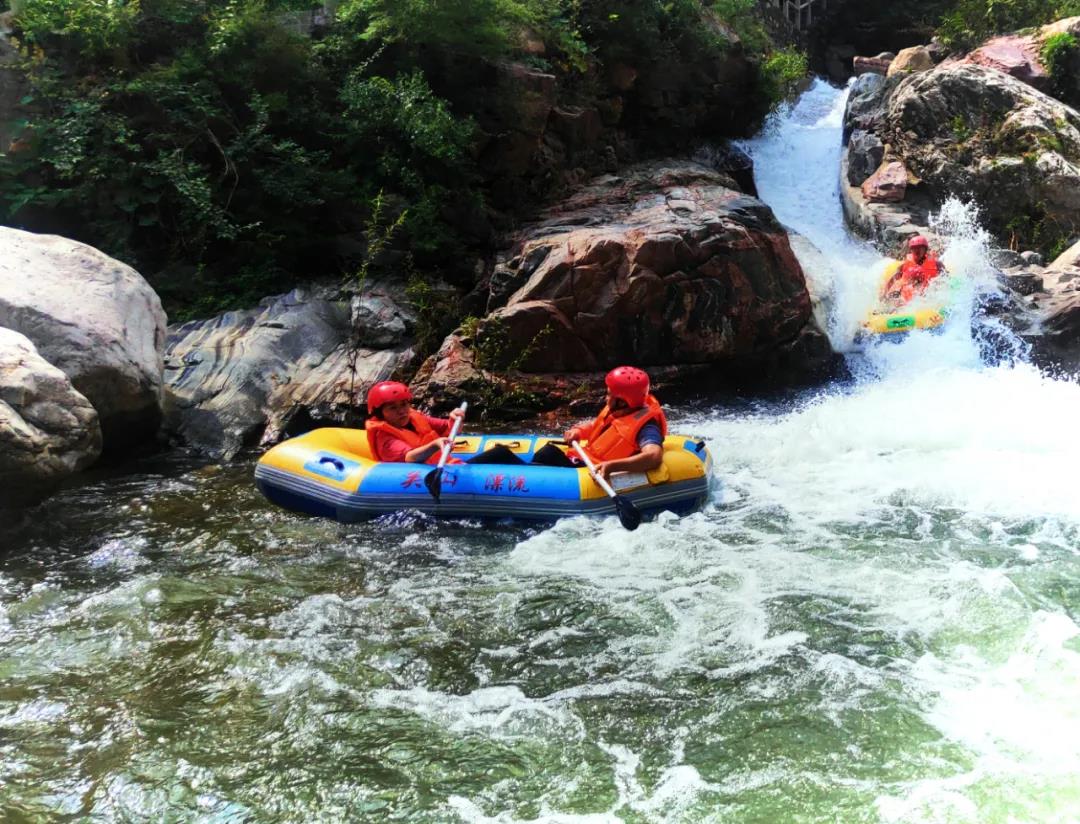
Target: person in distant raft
x,y
397,433
628,434
914,275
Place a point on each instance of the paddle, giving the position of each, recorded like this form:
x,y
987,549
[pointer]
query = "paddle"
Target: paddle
x,y
433,480
629,516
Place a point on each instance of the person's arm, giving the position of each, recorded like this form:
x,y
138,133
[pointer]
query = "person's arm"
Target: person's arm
x,y
649,458
422,453
576,433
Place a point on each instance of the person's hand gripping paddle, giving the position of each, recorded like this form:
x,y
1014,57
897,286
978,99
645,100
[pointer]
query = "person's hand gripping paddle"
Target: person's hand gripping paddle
x,y
629,516
433,480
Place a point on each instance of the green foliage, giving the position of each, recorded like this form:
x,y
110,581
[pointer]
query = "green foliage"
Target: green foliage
x,y
1061,56
967,22
437,311
500,393
1034,228
208,145
743,17
485,27
92,27
215,150
782,72
961,131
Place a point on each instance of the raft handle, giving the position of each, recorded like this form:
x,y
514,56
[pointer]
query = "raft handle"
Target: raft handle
x,y
700,445
338,465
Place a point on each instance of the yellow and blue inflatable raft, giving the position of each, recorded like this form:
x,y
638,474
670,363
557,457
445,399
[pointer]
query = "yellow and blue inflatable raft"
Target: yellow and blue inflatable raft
x,y
331,473
894,325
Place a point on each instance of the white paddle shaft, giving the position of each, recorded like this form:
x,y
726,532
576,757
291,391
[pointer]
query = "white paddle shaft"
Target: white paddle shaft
x,y
604,485
449,445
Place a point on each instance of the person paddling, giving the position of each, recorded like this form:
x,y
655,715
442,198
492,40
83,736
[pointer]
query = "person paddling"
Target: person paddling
x,y
628,434
914,275
397,433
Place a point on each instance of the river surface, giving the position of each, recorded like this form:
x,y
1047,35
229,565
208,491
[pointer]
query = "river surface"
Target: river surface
x,y
874,620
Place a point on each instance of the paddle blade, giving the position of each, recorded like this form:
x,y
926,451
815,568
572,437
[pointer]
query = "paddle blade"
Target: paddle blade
x,y
433,482
629,515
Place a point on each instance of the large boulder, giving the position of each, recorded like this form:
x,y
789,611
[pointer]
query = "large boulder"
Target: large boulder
x,y
48,430
887,185
246,375
665,265
967,130
972,132
1070,257
93,317
911,60
1052,320
1015,55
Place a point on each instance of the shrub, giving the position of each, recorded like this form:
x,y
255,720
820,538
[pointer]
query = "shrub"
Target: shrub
x,y
968,22
782,72
1059,55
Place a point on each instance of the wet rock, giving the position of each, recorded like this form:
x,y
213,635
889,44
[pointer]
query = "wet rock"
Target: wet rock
x,y
865,153
873,65
909,61
730,160
663,265
579,128
48,430
1032,258
96,319
866,105
247,374
887,185
1055,330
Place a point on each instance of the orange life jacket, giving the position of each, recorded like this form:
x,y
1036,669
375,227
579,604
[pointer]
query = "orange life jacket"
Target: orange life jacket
x,y
419,433
912,278
611,438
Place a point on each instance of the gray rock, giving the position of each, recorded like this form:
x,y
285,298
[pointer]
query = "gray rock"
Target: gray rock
x,y
911,60
93,317
1055,336
865,154
1032,258
1070,257
48,431
865,107
382,316
1015,150
242,375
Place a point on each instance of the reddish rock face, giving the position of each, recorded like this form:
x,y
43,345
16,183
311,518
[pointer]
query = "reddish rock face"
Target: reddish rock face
x,y
665,265
872,65
887,185
1014,55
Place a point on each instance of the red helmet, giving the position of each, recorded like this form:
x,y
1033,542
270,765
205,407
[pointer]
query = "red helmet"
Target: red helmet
x,y
918,241
386,392
629,384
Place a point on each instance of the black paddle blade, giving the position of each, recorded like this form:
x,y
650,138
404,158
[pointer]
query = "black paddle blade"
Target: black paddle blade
x,y
629,515
433,482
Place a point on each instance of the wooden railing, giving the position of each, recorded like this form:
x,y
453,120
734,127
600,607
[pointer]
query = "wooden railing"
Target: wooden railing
x,y
800,13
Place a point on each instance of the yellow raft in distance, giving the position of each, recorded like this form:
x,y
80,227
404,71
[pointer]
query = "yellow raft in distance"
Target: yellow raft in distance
x,y
902,320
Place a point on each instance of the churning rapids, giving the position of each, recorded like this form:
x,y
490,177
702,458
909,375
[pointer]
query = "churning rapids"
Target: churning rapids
x,y
874,620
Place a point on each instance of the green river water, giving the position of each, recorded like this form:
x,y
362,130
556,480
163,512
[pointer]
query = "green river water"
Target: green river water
x,y
874,620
